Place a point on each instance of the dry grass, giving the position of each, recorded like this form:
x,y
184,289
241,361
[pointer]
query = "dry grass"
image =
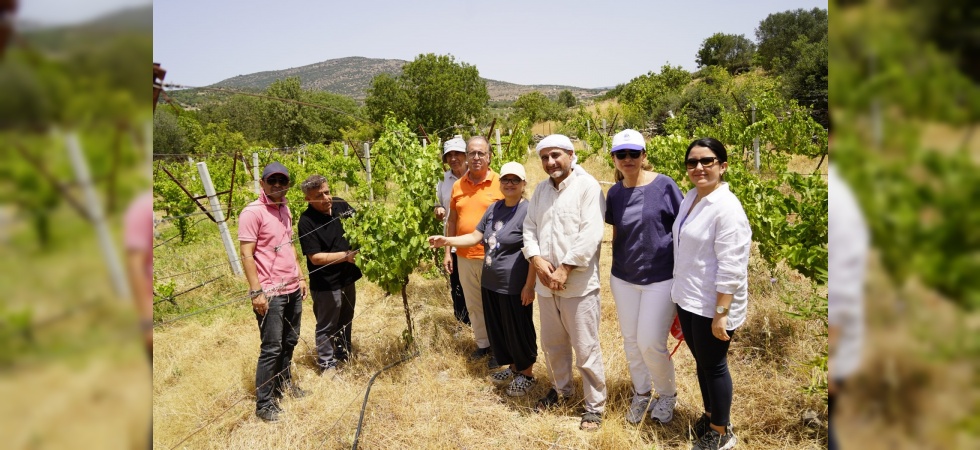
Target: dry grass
x,y
204,376
911,392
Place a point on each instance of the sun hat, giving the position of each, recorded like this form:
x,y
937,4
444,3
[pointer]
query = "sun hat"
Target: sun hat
x,y
628,140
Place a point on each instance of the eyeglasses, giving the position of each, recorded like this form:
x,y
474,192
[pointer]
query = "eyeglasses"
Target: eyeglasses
x,y
705,162
281,181
511,181
472,155
622,154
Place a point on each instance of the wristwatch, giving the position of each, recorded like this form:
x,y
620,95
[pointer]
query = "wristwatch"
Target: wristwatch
x,y
723,310
255,293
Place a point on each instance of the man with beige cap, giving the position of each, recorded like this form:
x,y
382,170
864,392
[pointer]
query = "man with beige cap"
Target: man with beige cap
x,y
562,233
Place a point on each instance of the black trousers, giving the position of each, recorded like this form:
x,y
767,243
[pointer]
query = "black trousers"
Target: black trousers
x,y
711,356
510,327
334,311
279,328
456,290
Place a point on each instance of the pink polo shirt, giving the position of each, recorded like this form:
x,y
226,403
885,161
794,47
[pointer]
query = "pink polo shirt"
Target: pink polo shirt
x,y
270,226
138,232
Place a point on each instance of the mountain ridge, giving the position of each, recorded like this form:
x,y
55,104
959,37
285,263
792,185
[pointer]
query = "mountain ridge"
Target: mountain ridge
x,y
352,75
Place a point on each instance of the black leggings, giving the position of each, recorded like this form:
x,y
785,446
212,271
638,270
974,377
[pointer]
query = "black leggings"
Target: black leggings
x,y
711,356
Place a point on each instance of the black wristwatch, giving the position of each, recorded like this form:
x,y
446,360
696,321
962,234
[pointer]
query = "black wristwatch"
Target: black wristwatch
x,y
255,293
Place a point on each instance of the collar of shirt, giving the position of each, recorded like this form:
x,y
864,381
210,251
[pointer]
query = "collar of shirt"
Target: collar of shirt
x,y
268,202
717,193
488,179
564,183
451,176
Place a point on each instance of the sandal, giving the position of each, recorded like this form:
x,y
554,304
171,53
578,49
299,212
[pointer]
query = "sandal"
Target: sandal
x,y
550,400
590,421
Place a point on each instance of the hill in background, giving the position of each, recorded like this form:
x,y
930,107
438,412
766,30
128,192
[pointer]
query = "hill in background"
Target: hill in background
x,y
352,77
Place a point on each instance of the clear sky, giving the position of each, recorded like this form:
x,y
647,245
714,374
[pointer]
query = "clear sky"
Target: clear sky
x,y
579,43
62,12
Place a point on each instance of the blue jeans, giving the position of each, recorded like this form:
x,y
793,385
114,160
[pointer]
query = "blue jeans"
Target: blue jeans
x,y
279,329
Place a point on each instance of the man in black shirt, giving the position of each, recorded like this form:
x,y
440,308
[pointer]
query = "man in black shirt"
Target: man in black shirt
x,y
330,262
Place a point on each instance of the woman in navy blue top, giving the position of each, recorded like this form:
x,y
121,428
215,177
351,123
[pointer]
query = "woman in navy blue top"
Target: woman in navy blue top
x,y
641,208
508,283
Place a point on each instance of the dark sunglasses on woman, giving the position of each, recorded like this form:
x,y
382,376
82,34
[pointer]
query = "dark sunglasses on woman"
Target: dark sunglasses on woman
x,y
705,162
622,154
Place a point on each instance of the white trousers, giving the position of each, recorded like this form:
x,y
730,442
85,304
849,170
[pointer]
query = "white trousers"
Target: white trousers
x,y
569,323
645,315
470,277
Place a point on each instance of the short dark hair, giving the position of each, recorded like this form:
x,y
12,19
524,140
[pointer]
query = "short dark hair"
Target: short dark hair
x,y
711,144
313,182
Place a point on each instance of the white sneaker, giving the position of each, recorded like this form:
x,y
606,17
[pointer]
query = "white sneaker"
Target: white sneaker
x,y
502,376
662,409
638,408
520,386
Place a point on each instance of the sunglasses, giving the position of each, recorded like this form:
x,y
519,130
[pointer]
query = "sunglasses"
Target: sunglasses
x,y
705,162
511,181
622,154
281,181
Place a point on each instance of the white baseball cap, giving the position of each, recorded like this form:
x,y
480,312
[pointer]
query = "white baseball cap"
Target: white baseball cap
x,y
628,140
456,144
513,168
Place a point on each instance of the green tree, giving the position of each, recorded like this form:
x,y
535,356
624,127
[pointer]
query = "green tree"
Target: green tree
x,y
731,51
777,33
648,97
286,123
434,91
807,80
534,107
793,44
243,114
168,136
567,99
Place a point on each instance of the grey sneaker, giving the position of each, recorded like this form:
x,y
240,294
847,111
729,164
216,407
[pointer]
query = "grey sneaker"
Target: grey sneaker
x,y
268,414
662,409
701,426
295,391
502,376
638,408
715,441
521,385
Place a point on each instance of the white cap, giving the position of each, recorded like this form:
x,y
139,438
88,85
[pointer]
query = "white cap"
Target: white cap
x,y
555,141
628,140
456,144
513,168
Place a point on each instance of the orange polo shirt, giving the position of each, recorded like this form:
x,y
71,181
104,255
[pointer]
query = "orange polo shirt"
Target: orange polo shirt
x,y
470,201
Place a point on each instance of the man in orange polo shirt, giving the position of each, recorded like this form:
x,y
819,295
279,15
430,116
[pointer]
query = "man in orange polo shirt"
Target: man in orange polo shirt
x,y
472,194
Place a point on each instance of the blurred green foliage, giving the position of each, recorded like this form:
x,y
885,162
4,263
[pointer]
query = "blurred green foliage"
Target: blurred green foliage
x,y
889,79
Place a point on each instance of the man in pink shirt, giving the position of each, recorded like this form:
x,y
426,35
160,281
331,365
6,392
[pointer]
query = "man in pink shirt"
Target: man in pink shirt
x,y
138,238
277,288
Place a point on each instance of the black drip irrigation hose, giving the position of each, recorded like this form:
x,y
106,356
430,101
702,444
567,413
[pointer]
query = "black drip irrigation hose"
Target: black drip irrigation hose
x,y
360,421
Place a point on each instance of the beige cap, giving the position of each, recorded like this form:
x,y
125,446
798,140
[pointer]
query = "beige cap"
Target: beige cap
x,y
513,168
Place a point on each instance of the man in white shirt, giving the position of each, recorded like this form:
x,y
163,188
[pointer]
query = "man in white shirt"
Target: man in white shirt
x,y
453,154
562,233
